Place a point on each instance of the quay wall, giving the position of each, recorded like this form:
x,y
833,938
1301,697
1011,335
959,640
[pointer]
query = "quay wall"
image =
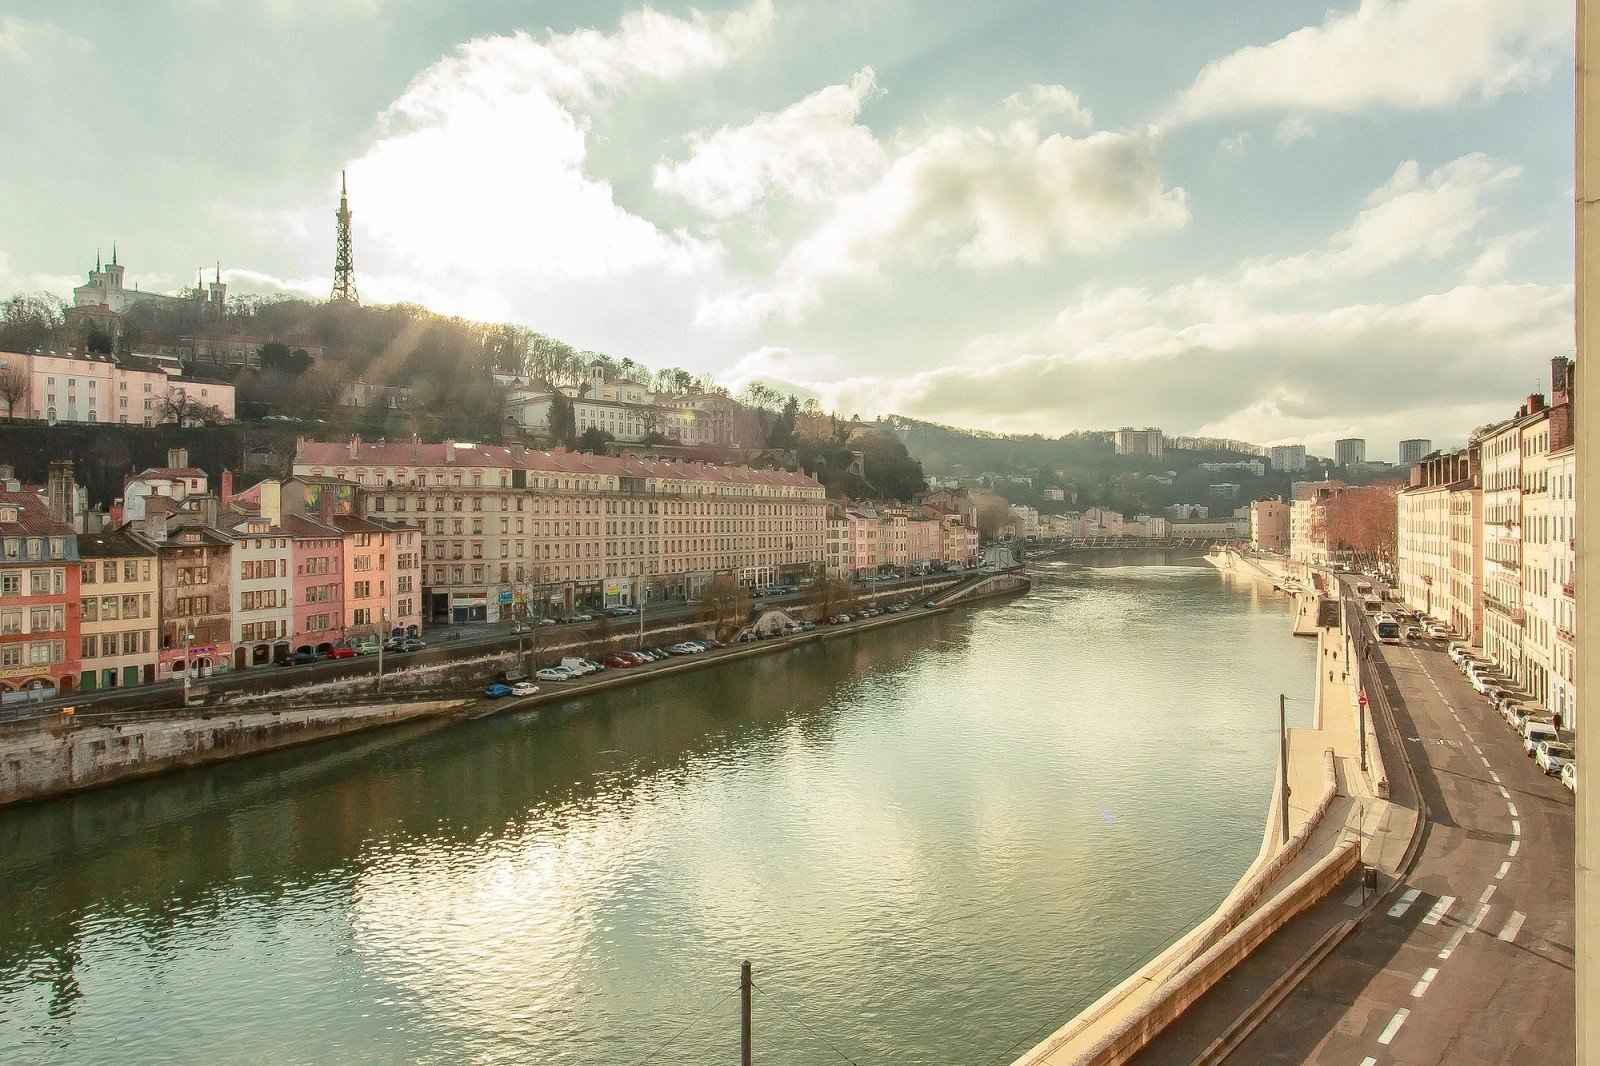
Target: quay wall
x,y
67,757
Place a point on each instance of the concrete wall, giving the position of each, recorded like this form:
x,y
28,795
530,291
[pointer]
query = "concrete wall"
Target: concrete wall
x,y
68,758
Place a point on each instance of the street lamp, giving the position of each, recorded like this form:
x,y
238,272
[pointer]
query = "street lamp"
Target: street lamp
x,y
188,667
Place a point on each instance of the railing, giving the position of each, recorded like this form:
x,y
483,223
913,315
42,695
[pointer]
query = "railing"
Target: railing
x,y
1568,591
1566,635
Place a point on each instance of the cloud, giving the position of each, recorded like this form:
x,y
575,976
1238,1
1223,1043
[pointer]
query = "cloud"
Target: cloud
x,y
1491,263
811,151
1235,144
1292,129
979,198
35,40
1049,100
1409,216
1408,54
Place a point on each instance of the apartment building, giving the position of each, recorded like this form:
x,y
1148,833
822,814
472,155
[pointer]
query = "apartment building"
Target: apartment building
x,y
1465,563
1539,593
1501,536
1422,529
196,612
39,621
261,589
100,388
1146,443
120,598
1291,457
1349,451
176,482
1562,473
502,529
1269,526
1308,533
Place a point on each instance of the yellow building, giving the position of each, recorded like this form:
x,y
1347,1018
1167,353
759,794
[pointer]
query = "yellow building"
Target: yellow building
x,y
120,598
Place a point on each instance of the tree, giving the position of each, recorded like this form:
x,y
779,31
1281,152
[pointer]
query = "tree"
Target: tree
x,y
594,440
725,605
994,513
30,321
829,596
1361,519
99,342
178,406
563,420
13,386
781,434
275,355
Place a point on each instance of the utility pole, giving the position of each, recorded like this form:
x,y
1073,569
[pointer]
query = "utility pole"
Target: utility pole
x,y
381,641
1361,723
1283,767
639,603
745,985
188,664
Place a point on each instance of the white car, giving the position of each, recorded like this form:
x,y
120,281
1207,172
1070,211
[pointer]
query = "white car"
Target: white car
x,y
553,673
1535,733
524,688
1439,632
1552,755
1569,776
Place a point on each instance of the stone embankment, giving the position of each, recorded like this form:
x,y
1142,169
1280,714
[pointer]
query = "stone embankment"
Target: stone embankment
x,y
1339,817
48,757
64,755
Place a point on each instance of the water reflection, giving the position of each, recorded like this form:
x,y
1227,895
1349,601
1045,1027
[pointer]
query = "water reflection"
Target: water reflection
x,y
935,837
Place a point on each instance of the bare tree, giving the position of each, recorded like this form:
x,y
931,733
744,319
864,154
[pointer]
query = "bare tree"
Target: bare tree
x,y
13,386
725,604
178,406
830,595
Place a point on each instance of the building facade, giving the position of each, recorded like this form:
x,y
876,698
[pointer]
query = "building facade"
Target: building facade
x,y
1412,451
1501,536
1269,526
1422,533
120,599
1290,457
1147,443
1349,451
261,590
39,620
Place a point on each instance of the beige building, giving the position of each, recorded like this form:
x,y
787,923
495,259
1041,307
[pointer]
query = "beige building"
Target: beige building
x,y
1501,535
1464,567
1269,526
1538,592
504,529
1422,529
119,592
1308,534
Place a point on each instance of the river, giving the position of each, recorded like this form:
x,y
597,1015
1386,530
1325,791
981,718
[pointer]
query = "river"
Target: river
x,y
935,842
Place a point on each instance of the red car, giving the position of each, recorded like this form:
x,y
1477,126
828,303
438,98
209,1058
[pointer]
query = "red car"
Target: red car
x,y
617,662
343,651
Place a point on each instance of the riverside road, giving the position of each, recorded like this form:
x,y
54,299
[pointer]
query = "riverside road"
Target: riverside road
x,y
1469,959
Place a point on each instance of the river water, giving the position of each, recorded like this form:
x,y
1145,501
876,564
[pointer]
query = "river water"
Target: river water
x,y
935,842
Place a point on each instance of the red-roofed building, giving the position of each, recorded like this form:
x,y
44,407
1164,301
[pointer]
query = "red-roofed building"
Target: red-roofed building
x,y
504,530
175,481
39,613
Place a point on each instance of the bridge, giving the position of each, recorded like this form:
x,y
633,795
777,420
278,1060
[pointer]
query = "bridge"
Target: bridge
x,y
1176,546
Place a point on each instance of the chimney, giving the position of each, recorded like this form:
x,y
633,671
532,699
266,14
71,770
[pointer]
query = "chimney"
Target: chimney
x,y
208,510
355,446
177,458
325,503
1560,387
155,526
61,491
1535,402
227,488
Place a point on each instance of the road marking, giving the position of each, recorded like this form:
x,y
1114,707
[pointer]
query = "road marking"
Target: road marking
x,y
1454,942
1440,908
1393,1027
1369,1061
1477,919
1512,807
1516,828
1422,986
1405,902
1516,846
1513,927
1494,776
1488,893
1485,761
1505,868
1503,793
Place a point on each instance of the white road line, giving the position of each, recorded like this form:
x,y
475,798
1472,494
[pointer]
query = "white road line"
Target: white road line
x,y
1488,894
1440,909
1477,919
1512,807
1516,846
1513,927
1454,942
1393,1027
1516,828
1421,986
1405,902
1505,868
1369,1061
1494,776
1503,793
1485,761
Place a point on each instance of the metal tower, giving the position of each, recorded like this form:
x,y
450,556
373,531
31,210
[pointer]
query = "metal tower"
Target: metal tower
x,y
344,263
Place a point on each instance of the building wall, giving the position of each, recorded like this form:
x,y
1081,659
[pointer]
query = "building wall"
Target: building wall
x,y
1423,560
196,604
1561,470
1539,591
39,619
1501,536
317,588
120,600
1269,526
262,593
1465,599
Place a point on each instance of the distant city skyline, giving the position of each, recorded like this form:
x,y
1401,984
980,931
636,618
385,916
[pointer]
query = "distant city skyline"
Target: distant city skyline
x,y
1277,231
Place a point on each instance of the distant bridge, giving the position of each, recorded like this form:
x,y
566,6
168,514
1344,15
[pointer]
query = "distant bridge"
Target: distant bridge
x,y
1184,545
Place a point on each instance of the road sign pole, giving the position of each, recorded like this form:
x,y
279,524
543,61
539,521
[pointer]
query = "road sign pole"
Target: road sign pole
x,y
1362,704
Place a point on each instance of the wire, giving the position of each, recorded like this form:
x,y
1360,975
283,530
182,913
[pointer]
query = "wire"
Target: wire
x,y
803,1024
669,1041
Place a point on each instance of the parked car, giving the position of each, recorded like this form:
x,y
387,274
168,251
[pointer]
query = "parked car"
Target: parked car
x,y
1551,755
639,658
1439,631
553,673
413,644
581,618
617,662
807,626
838,619
519,628
299,658
1569,776
1413,632
575,666
1523,713
343,651
930,603
1535,732
524,688
747,637
549,621
711,642
683,649
495,690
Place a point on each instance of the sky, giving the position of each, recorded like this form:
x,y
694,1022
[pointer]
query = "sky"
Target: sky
x,y
1275,220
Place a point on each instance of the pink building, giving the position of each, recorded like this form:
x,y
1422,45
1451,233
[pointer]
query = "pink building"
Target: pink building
x,y
924,540
98,388
862,538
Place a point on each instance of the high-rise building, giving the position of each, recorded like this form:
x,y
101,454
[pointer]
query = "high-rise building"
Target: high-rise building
x,y
1412,451
1290,457
1269,526
1348,451
1147,442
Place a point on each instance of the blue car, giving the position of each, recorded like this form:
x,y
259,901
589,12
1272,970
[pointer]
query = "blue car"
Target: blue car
x,y
496,690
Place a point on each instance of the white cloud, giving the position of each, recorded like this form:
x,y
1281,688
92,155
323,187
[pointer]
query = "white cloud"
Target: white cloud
x,y
1292,129
1394,53
811,151
1235,144
35,40
1492,263
476,193
1049,100
980,198
1409,216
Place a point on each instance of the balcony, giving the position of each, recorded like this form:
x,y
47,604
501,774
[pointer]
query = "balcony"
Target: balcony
x,y
1568,591
1566,635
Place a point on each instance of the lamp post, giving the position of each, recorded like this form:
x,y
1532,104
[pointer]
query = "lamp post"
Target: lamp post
x,y
188,665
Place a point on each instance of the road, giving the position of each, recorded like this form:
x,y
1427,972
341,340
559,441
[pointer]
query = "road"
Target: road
x,y
1469,959
445,642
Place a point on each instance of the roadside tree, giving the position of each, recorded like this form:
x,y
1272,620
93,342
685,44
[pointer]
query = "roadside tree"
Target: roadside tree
x,y
725,605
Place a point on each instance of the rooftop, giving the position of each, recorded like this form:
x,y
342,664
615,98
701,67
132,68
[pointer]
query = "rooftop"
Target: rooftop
x,y
113,544
32,517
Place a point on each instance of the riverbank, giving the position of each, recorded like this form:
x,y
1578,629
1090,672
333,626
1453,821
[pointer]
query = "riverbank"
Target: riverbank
x,y
58,756
1334,818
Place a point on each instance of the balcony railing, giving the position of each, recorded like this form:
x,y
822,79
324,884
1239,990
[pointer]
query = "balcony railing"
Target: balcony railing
x,y
1568,591
1566,635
